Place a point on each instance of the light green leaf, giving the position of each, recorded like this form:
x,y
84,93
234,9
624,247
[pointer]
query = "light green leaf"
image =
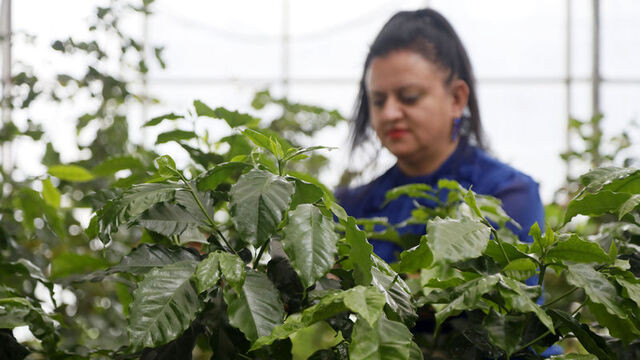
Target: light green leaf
x,y
310,243
416,258
632,289
255,309
305,193
623,329
597,287
175,135
158,119
50,194
232,268
208,272
521,269
385,340
576,249
203,109
417,191
68,264
359,253
505,331
574,357
164,305
592,342
146,257
70,173
258,201
219,174
259,139
602,202
495,252
366,302
452,240
616,179
629,206
234,118
114,164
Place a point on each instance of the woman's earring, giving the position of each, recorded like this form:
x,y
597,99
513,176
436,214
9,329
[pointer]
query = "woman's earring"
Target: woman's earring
x,y
456,128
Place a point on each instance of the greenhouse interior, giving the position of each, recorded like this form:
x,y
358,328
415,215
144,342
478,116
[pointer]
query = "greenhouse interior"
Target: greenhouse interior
x,y
409,179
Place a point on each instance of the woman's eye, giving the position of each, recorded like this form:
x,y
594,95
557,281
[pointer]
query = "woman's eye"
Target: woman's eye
x,y
378,102
409,99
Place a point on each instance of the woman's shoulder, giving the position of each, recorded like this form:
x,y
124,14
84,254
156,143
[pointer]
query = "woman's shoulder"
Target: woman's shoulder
x,y
373,192
490,175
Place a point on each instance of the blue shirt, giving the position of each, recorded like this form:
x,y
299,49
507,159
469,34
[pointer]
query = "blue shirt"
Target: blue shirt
x,y
468,165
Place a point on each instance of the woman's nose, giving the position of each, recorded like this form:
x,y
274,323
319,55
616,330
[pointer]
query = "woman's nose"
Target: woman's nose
x,y
392,110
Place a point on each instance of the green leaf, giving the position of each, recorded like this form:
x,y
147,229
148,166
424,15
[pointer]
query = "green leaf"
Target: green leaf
x,y
70,173
614,179
395,290
504,331
359,253
164,305
520,269
578,250
629,206
158,119
597,287
495,252
518,299
146,257
600,203
203,109
175,135
385,340
417,191
67,264
259,139
234,118
310,243
219,174
574,357
208,272
142,197
632,289
232,268
166,166
168,219
592,342
366,301
114,164
258,201
452,240
416,258
623,329
50,194
305,193
255,309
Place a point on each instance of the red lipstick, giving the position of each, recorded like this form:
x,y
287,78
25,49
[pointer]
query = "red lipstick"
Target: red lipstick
x,y
394,134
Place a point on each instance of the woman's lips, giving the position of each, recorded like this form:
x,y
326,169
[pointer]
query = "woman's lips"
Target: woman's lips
x,y
396,133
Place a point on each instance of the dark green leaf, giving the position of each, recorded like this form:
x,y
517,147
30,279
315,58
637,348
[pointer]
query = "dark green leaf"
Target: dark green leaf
x,y
359,253
158,119
258,201
305,193
142,197
114,164
310,243
613,179
505,331
385,340
632,289
168,219
467,296
70,173
521,269
256,308
219,174
597,287
495,252
175,135
519,300
164,305
416,258
146,257
592,342
234,118
623,329
232,268
208,272
395,290
602,202
452,240
578,250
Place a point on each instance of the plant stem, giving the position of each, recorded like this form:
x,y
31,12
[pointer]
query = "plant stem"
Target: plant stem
x,y
560,297
497,239
204,211
534,340
257,260
543,269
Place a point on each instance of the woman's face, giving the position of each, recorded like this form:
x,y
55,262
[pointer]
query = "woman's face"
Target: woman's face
x,y
411,107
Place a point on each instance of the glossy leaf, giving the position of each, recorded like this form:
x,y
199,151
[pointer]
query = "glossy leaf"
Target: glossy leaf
x,y
576,249
623,329
629,206
258,201
416,258
505,331
142,197
232,268
452,240
208,272
385,340
360,252
395,290
168,219
219,174
310,243
305,193
164,305
146,257
596,204
255,309
519,300
592,342
494,250
70,173
597,287
615,179
632,289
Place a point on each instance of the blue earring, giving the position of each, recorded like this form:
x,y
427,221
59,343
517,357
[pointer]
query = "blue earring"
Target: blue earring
x,y
456,128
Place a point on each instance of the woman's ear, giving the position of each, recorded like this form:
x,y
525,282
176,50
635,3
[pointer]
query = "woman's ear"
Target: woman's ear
x,y
460,93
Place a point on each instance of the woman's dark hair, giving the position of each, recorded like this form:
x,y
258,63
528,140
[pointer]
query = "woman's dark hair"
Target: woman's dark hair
x,y
429,34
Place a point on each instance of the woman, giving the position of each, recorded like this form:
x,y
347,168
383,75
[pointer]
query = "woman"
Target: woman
x,y
418,95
